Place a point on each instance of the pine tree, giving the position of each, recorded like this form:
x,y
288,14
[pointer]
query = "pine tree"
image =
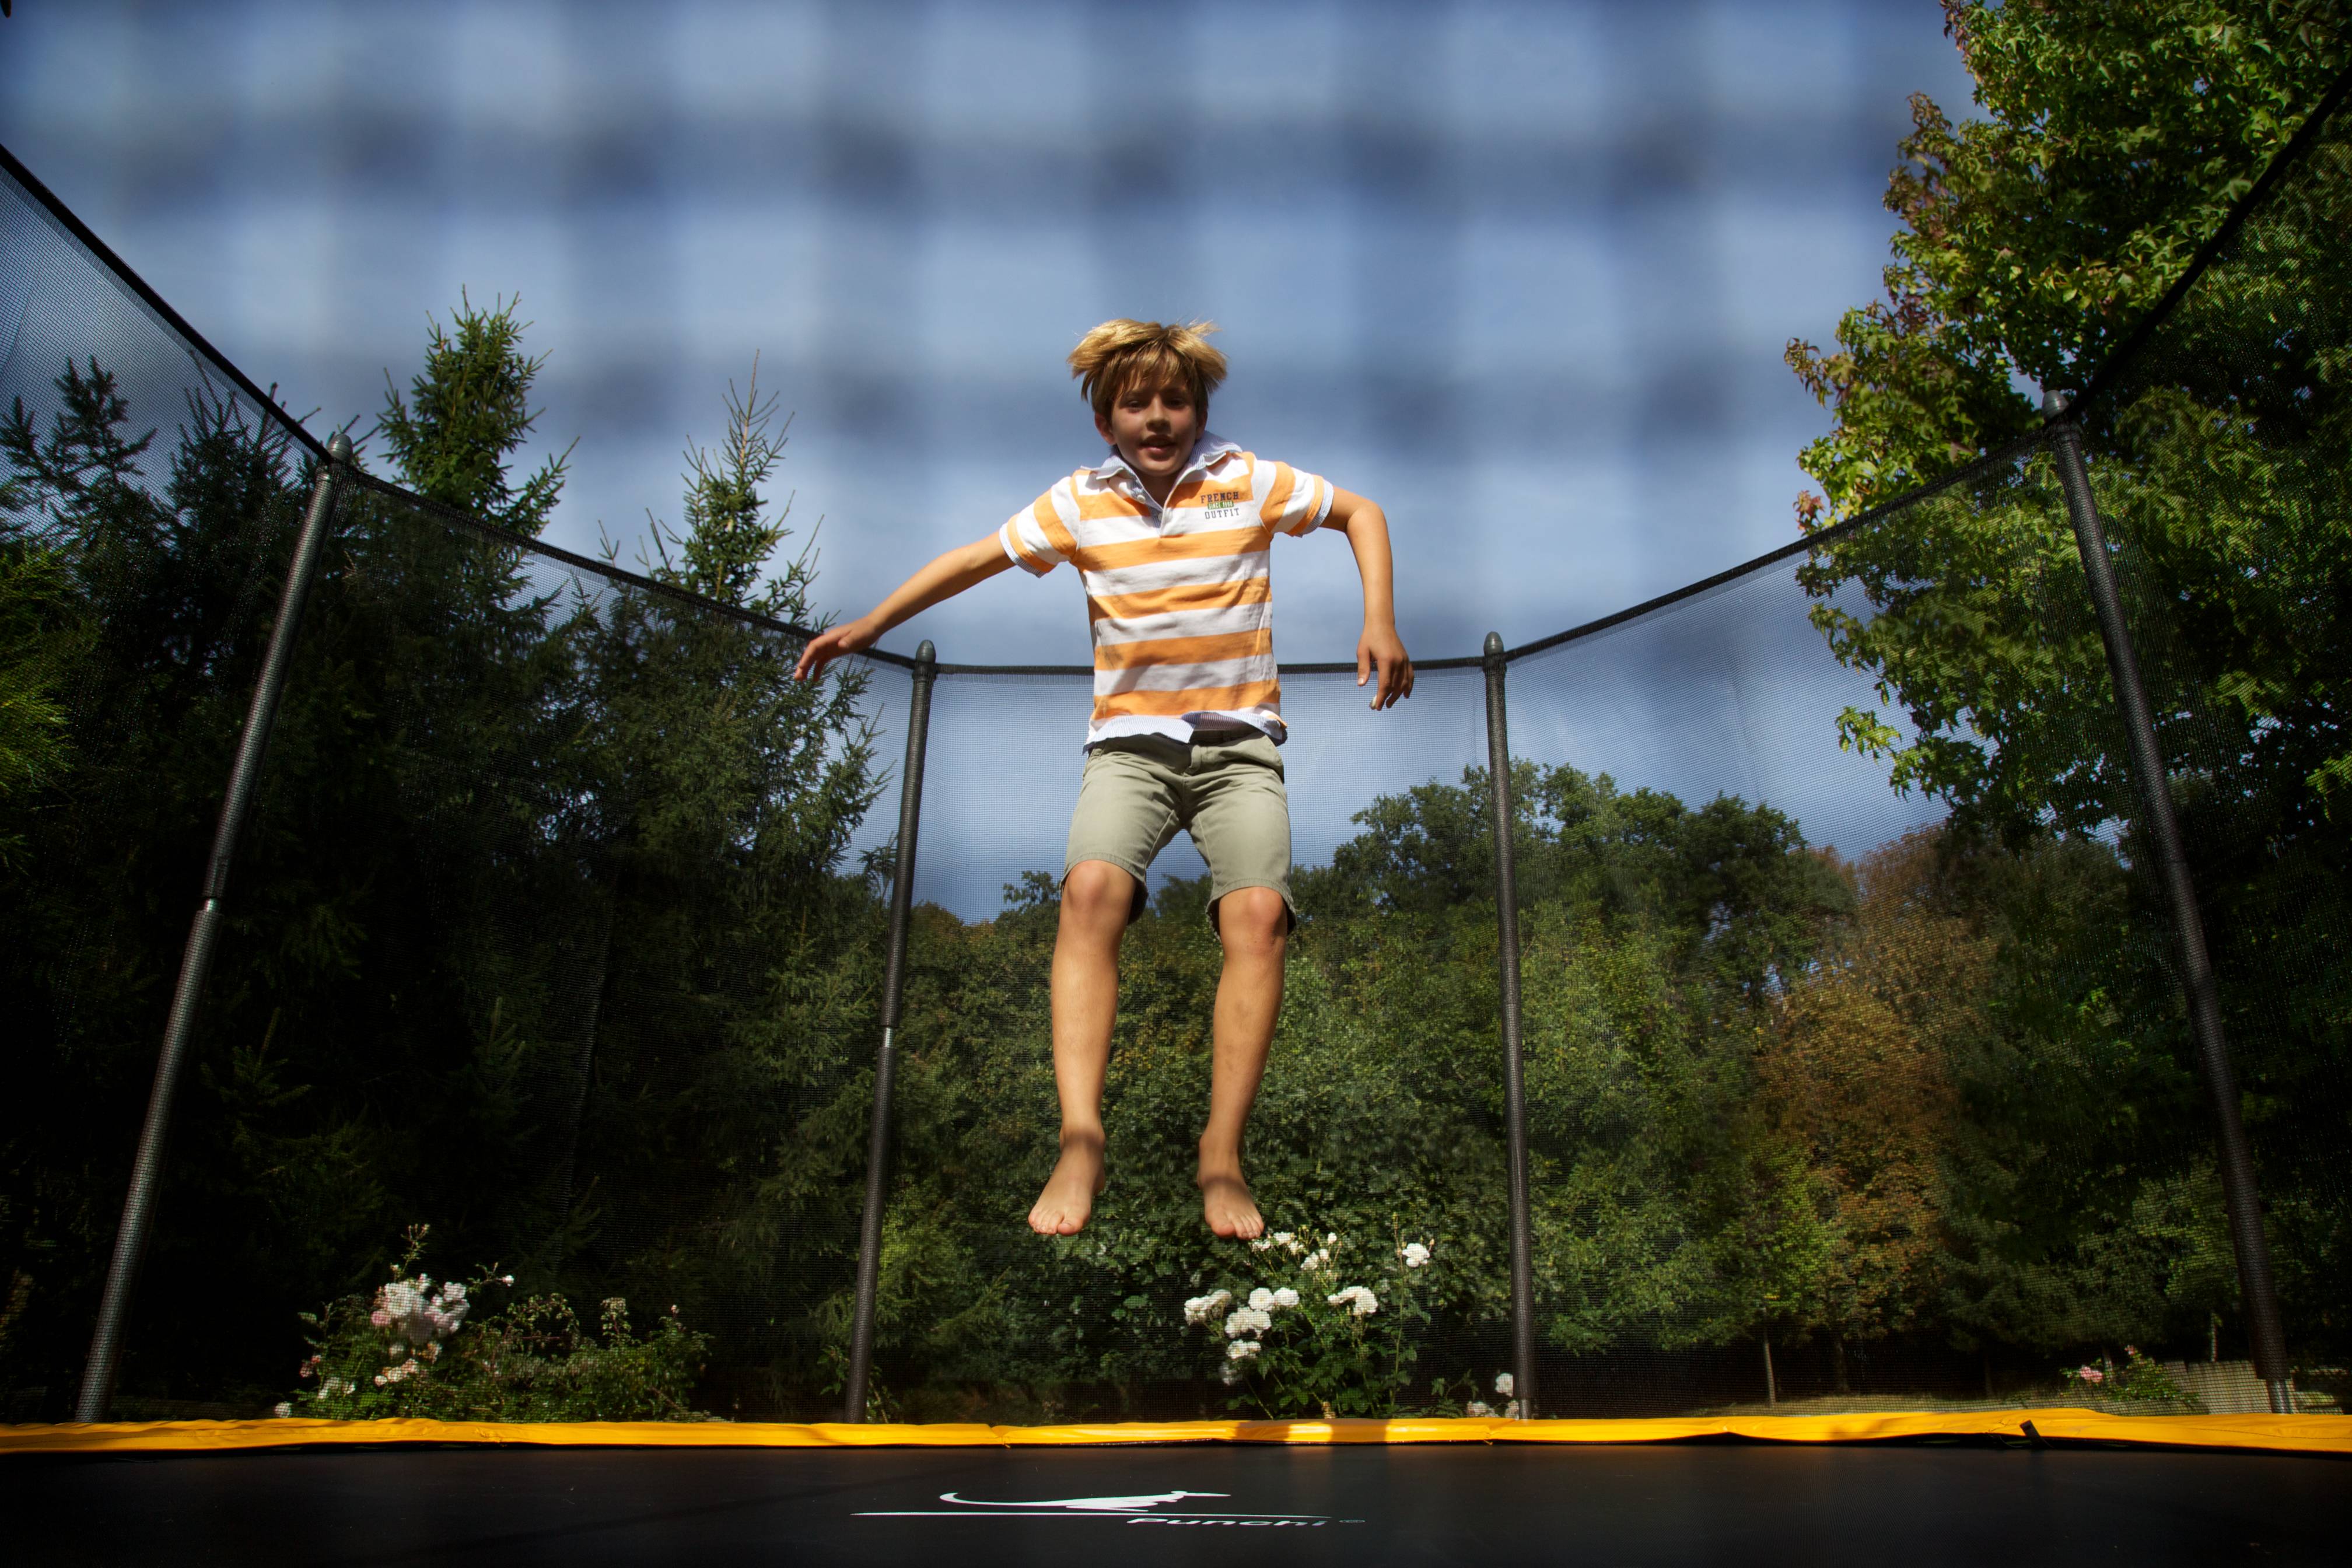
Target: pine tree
x,y
466,412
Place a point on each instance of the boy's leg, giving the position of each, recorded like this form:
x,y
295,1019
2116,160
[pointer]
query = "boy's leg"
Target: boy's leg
x,y
1254,924
1096,898
1124,817
1241,821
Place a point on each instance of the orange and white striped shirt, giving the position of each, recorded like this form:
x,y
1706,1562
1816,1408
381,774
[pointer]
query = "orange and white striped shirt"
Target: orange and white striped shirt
x,y
1180,595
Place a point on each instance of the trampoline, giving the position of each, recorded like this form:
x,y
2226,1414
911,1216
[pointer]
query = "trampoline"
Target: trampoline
x,y
2051,1485
1604,1270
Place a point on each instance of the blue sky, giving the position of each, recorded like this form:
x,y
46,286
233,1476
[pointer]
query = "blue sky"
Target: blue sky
x,y
1523,273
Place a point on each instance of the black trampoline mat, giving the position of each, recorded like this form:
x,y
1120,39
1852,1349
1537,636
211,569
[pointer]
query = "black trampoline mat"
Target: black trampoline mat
x,y
1910,1507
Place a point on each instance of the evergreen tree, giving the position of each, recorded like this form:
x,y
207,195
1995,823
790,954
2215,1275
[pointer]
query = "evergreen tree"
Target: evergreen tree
x,y
467,411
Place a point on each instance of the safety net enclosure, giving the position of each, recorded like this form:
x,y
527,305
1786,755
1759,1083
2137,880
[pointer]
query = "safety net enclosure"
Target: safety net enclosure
x,y
1862,1062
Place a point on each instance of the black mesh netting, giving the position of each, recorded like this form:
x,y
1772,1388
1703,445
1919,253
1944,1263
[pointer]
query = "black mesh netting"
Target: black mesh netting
x,y
1857,1063
2221,459
147,513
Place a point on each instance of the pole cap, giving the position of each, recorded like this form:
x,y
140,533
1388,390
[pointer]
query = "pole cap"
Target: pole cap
x,y
925,653
1494,645
2054,404
338,447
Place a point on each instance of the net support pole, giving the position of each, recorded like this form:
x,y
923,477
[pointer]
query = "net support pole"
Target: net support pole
x,y
2196,983
1515,1089
204,934
886,1061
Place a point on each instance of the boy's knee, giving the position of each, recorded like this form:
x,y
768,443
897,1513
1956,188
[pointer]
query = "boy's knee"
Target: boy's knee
x,y
1253,919
1098,893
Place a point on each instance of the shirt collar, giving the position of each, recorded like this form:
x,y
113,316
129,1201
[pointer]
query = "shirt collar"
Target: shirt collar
x,y
1206,451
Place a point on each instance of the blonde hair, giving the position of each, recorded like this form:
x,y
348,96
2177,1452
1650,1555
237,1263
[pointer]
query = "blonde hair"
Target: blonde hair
x,y
1118,354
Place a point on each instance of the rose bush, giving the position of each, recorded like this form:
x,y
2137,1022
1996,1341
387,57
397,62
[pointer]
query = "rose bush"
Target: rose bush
x,y
1316,1343
400,1354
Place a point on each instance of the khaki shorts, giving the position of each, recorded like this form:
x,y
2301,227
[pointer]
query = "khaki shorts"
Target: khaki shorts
x,y
1138,790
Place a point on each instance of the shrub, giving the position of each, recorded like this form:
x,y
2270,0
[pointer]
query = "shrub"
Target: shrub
x,y
402,1354
2138,1381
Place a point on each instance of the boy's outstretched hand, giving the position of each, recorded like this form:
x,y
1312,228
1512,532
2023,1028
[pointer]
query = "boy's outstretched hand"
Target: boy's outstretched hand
x,y
828,645
1382,648
944,578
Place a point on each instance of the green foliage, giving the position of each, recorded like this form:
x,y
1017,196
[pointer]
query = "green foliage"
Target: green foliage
x,y
414,1349
36,649
40,638
2114,142
538,925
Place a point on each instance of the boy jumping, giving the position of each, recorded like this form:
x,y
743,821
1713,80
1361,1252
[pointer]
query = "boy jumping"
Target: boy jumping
x,y
1169,535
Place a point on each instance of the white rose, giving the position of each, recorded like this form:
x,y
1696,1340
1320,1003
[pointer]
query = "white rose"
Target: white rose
x,y
1503,1383
1200,1309
1286,1298
1477,1408
1260,1299
1415,1255
1241,1350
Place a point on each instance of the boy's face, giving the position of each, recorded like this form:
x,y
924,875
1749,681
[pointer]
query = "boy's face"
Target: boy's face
x,y
1153,426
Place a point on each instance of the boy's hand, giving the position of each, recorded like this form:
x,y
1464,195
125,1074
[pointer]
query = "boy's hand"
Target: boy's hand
x,y
1381,646
826,647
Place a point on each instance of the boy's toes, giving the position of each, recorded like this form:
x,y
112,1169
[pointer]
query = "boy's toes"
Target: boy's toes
x,y
1053,1220
1058,1213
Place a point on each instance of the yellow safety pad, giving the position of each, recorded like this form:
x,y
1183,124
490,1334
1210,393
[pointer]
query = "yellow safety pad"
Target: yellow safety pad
x,y
2292,1433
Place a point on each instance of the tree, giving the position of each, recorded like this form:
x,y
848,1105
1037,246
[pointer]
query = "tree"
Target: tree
x,y
2034,241
735,962
524,830
149,620
1855,1075
467,410
1724,878
36,648
2114,140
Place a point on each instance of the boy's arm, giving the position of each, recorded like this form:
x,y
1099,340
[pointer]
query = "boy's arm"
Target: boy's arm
x,y
943,579
1367,528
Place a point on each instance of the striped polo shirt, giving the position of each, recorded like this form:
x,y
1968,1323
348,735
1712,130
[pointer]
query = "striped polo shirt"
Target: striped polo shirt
x,y
1180,595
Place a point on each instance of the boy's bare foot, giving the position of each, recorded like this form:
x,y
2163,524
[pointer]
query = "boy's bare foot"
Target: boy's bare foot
x,y
1227,1204
1068,1200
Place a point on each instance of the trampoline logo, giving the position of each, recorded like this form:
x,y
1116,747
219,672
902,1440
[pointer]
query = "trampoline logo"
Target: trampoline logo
x,y
1144,1507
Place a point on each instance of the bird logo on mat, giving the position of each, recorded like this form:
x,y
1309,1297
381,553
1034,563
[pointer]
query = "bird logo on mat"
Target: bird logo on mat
x,y
1138,1509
